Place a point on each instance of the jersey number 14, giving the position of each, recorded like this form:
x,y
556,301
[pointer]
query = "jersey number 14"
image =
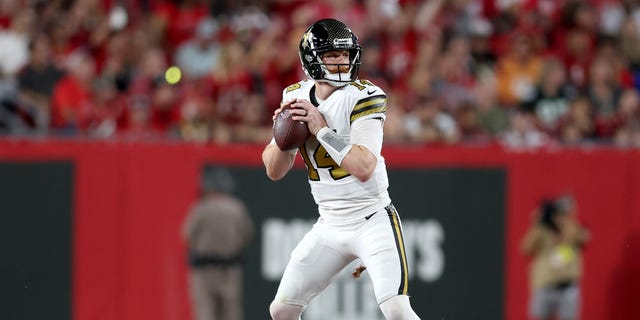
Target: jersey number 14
x,y
322,160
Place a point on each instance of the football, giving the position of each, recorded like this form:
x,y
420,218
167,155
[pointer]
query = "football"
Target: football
x,y
289,134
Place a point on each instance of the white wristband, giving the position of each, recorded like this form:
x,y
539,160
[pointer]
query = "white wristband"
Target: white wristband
x,y
336,146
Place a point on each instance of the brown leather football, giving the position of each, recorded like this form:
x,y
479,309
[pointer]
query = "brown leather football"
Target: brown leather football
x,y
289,134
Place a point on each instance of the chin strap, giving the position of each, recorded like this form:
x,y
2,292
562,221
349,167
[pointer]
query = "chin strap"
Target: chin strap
x,y
335,79
336,82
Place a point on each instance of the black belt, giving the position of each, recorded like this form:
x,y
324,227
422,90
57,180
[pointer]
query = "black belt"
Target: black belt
x,y
202,260
562,285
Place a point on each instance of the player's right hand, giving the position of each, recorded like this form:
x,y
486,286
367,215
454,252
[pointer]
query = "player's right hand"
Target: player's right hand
x,y
307,112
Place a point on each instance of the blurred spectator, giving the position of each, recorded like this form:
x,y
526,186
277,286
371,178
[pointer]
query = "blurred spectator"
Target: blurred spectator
x,y
370,69
623,137
522,132
72,100
115,59
399,47
573,39
231,82
427,123
394,126
468,123
270,64
629,41
251,127
165,108
454,74
609,49
153,102
173,22
480,46
37,81
15,43
604,92
422,82
217,229
492,118
612,17
199,55
196,111
627,132
150,65
571,135
550,101
577,125
518,71
109,110
60,31
247,22
629,108
7,12
555,241
138,120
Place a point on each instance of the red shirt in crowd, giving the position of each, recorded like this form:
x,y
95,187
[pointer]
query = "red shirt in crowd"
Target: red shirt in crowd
x,y
70,104
181,20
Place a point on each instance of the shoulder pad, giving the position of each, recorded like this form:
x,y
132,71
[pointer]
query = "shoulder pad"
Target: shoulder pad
x,y
371,106
296,86
295,90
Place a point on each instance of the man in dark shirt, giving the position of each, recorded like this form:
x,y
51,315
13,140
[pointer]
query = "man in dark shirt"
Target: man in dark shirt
x,y
36,82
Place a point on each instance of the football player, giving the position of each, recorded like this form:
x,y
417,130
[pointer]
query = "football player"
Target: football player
x,y
348,178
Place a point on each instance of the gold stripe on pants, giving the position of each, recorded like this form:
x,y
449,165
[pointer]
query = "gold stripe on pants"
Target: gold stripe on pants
x,y
397,234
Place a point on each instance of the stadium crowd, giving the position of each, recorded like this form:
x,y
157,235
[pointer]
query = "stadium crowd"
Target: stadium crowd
x,y
519,73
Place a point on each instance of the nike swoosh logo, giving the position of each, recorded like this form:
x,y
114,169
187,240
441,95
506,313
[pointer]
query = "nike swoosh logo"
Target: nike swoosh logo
x,y
370,92
369,216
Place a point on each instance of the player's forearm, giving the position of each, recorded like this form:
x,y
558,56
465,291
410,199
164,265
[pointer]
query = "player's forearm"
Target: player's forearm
x,y
357,156
359,162
277,162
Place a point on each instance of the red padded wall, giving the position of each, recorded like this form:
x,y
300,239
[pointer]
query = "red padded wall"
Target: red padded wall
x,y
130,200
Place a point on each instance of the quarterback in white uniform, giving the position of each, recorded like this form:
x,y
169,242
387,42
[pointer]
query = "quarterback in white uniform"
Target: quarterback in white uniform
x,y
348,178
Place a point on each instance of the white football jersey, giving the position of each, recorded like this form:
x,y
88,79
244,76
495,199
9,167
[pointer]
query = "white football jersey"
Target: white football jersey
x,y
341,197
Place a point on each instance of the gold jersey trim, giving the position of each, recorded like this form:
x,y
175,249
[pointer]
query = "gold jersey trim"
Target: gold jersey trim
x,y
369,105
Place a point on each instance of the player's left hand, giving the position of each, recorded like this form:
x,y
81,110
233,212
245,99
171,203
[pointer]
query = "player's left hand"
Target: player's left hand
x,y
307,112
282,106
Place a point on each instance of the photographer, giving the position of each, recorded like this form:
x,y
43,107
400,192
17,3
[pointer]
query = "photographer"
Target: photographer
x,y
555,242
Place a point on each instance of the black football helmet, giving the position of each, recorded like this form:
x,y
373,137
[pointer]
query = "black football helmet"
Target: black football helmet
x,y
328,35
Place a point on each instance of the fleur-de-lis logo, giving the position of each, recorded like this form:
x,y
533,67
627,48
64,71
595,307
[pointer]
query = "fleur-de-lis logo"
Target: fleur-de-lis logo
x,y
305,39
